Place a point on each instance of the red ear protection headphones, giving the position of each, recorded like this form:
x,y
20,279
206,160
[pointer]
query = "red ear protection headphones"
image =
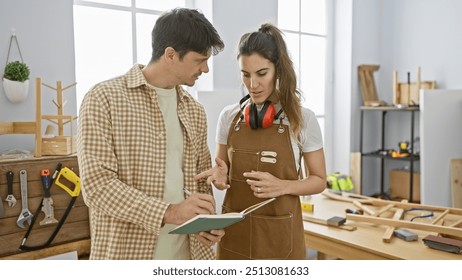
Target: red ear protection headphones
x,y
262,119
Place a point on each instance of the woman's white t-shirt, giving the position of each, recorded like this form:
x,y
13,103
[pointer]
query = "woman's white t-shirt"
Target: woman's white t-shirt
x,y
311,136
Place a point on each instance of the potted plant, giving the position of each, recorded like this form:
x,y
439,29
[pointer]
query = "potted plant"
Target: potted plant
x,y
16,81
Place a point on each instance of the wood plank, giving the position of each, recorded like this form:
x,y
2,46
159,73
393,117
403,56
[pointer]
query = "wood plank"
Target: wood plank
x,y
76,226
82,247
380,202
355,171
406,224
390,229
456,183
324,222
6,128
9,244
17,128
8,224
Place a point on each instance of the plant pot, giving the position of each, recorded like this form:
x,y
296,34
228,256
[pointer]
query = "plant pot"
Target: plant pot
x,y
16,91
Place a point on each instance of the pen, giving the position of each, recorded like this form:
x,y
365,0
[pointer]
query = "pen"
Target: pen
x,y
187,192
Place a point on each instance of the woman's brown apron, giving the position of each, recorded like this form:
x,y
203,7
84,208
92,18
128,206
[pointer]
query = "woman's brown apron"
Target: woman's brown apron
x,y
274,231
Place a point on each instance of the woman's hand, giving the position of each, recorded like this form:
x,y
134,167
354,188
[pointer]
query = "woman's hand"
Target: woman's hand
x,y
217,175
264,185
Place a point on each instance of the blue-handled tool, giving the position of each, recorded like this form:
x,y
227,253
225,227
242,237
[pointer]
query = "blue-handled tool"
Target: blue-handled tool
x,y
47,202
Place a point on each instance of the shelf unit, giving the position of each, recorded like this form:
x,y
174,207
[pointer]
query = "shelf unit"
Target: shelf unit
x,y
384,110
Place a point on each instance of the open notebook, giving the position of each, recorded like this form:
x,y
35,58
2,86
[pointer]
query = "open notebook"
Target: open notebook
x,y
205,222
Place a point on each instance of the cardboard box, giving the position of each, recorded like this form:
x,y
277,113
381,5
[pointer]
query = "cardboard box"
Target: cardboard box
x,y
399,185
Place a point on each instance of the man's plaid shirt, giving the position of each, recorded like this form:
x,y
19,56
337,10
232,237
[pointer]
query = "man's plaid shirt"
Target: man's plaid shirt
x,y
121,149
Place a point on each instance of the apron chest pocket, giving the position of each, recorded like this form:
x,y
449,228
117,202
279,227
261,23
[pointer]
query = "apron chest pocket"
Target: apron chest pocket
x,y
248,160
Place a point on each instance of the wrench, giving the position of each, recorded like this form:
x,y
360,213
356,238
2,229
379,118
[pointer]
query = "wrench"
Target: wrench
x,y
26,215
10,198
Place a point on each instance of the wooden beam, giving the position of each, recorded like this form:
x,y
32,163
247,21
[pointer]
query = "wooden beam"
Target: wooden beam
x,y
381,202
17,127
324,222
440,217
406,224
390,229
456,182
82,247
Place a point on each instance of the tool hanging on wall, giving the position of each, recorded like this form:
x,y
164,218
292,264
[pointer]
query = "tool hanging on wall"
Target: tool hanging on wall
x,y
47,201
26,215
9,181
71,177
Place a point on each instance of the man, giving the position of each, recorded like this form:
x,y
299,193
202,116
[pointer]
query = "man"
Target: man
x,y
141,139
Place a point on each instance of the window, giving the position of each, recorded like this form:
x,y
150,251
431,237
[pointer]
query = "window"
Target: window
x,y
304,23
111,36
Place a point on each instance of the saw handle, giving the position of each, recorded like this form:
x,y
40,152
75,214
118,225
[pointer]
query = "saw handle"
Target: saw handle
x,y
70,176
9,180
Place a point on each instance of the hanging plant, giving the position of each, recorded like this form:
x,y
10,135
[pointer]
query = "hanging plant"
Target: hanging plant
x,y
17,71
16,77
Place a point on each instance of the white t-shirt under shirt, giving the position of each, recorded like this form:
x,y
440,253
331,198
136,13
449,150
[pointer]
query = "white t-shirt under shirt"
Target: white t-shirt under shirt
x,y
172,246
311,136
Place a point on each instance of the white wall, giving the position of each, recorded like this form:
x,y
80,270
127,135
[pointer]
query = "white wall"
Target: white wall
x,y
342,88
45,34
402,35
441,115
232,19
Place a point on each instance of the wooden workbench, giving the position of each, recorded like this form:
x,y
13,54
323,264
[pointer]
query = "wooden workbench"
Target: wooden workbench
x,y
365,243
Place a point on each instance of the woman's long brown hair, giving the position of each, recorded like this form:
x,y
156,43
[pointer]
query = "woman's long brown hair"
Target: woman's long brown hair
x,y
269,43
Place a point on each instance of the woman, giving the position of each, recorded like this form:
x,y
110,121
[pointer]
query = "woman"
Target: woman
x,y
262,140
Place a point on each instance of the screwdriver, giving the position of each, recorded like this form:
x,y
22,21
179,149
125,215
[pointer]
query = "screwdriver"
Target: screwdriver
x,y
47,206
46,182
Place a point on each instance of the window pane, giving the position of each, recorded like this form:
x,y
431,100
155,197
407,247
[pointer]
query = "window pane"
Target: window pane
x,y
102,50
125,3
322,124
313,72
292,41
144,25
288,11
313,16
159,5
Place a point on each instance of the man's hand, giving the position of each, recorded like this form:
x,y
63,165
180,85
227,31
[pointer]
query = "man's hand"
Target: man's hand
x,y
197,203
218,175
210,238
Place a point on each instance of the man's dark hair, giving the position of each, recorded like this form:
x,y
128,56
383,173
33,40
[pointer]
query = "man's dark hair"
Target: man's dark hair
x,y
184,30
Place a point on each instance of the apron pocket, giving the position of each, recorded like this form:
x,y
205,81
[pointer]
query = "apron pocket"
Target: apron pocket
x,y
271,236
237,238
248,160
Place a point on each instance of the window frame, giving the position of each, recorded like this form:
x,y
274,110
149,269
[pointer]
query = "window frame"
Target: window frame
x,y
325,119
